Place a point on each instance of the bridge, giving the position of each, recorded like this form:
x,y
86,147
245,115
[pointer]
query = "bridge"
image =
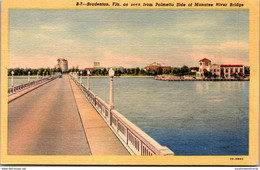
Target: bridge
x,y
60,116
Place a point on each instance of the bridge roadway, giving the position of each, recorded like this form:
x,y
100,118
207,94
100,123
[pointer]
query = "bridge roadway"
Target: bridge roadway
x,y
46,121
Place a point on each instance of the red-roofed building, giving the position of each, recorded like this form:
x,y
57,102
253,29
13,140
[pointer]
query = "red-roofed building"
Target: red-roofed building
x,y
205,59
62,64
227,71
232,71
204,66
89,68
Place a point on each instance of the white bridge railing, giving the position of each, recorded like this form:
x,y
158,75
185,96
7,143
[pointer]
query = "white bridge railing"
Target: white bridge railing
x,y
14,89
133,138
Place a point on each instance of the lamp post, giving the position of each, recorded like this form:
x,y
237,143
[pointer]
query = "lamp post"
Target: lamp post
x,y
28,76
12,81
111,101
77,76
88,73
80,77
47,74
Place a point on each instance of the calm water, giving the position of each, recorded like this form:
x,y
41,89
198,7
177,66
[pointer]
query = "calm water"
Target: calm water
x,y
191,118
20,80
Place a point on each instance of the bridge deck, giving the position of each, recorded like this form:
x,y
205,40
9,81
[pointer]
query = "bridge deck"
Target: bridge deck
x,y
46,122
101,139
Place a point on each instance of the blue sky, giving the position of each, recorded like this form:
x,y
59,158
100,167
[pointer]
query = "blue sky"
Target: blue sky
x,y
128,38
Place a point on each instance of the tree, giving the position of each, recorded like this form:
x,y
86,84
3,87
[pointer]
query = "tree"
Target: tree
x,y
167,71
185,70
137,70
159,71
118,72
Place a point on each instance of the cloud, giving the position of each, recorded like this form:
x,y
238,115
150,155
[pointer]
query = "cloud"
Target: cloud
x,y
192,36
36,61
233,45
51,28
112,59
16,32
114,33
225,53
42,36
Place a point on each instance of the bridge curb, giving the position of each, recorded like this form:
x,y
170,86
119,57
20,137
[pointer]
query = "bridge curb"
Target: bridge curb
x,y
24,92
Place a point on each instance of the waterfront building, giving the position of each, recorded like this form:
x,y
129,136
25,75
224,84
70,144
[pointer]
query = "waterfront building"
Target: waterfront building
x,y
96,65
232,71
89,68
155,66
62,64
204,67
215,70
228,71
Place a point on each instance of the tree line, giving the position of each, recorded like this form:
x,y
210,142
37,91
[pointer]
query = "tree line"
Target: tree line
x,y
25,71
176,71
179,71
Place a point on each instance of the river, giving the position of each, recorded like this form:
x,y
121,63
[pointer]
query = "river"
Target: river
x,y
189,117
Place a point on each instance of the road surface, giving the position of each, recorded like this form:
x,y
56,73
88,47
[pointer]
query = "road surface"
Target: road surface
x,y
46,121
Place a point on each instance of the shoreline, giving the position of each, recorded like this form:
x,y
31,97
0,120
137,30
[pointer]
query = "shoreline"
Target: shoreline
x,y
94,76
177,78
26,76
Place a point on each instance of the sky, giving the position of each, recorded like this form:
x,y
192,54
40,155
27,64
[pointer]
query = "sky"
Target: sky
x,y
128,38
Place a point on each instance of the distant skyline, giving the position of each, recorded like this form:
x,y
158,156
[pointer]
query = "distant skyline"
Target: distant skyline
x,y
128,38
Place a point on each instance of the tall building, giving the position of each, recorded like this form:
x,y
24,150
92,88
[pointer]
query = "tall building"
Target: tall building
x,y
96,65
204,66
62,64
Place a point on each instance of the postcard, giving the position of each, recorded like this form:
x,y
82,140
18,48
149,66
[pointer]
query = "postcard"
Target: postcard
x,y
130,82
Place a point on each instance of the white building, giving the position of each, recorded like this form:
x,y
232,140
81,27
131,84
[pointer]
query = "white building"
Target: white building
x,y
232,71
204,66
219,71
62,64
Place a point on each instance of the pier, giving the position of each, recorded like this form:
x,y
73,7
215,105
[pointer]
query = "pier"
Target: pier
x,y
61,116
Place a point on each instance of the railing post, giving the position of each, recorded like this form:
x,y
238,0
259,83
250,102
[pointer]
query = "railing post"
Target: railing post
x,y
12,81
111,101
28,76
80,77
165,151
109,116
